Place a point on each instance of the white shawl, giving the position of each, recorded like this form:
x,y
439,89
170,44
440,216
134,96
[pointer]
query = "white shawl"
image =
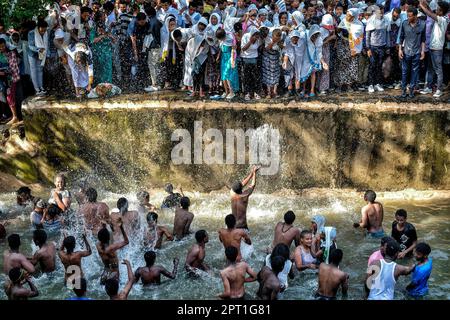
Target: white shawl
x,y
41,42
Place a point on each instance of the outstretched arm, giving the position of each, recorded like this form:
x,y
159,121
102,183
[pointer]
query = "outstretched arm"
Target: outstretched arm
x,y
119,245
252,274
424,6
247,179
88,250
173,274
130,282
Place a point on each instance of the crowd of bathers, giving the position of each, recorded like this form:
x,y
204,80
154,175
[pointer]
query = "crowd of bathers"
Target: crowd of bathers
x,y
315,248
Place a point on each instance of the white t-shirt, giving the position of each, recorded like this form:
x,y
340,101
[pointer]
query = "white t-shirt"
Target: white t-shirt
x,y
252,51
438,33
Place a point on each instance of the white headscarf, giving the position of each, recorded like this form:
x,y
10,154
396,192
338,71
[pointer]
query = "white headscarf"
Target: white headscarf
x,y
298,17
218,25
41,42
355,30
165,39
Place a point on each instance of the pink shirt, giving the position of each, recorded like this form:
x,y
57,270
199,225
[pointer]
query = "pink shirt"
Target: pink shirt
x,y
375,257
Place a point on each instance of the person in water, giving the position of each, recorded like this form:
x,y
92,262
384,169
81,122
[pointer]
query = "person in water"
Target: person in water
x,y
303,255
173,199
59,195
331,278
70,258
151,274
327,244
38,213
234,276
269,283
232,237
15,289
46,255
239,198
144,206
371,216
112,285
24,196
183,219
94,212
282,250
155,233
404,233
108,253
12,258
382,275
52,221
196,255
80,292
130,220
379,254
285,232
317,230
418,287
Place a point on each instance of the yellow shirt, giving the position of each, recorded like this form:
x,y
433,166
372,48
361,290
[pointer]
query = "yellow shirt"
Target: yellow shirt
x,y
208,8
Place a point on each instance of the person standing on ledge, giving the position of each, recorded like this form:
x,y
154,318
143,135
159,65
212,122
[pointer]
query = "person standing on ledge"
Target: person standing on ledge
x,y
239,198
371,216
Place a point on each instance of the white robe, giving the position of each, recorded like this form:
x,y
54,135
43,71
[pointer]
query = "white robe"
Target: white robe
x,y
191,52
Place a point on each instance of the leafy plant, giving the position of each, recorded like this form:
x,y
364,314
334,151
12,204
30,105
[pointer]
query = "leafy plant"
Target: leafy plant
x,y
13,12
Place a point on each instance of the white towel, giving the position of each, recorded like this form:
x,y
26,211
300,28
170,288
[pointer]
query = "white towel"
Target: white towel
x,y
41,42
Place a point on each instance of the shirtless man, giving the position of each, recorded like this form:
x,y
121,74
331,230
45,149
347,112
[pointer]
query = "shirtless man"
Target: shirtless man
x,y
155,231
94,212
46,255
14,288
269,284
233,276
231,237
239,198
108,253
144,206
129,219
285,232
12,258
70,258
183,219
112,285
371,216
151,274
331,278
196,255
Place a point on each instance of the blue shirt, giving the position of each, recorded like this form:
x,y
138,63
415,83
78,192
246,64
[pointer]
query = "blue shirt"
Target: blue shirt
x,y
419,279
78,298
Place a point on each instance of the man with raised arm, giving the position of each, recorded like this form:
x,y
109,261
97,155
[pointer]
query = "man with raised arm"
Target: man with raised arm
x,y
151,274
112,285
70,258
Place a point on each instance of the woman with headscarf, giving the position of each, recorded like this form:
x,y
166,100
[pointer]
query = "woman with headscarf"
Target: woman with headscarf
x,y
348,46
171,58
297,19
293,55
212,64
214,22
228,66
263,19
251,19
81,66
317,229
327,28
273,45
196,54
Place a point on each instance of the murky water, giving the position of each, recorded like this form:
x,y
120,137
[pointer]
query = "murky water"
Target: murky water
x,y
431,218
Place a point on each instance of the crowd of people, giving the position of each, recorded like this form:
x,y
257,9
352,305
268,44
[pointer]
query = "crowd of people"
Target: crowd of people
x,y
315,247
224,48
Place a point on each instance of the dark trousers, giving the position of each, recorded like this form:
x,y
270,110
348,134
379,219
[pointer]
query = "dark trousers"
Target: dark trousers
x,y
376,65
410,68
125,64
250,77
199,78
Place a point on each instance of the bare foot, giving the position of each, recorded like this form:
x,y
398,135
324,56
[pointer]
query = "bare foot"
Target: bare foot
x,y
14,120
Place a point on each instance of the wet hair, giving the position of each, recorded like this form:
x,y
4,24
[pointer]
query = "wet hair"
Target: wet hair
x,y
200,235
53,210
444,6
336,256
15,274
385,240
401,213
22,190
39,236
185,202
69,244
85,9
392,248
230,221
112,287
220,34
152,216
304,233
176,34
103,235
237,187
370,195
231,253
83,288
42,24
412,10
2,232
14,241
280,250
423,248
142,196
91,195
277,264
150,257
141,16
62,176
122,205
289,217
